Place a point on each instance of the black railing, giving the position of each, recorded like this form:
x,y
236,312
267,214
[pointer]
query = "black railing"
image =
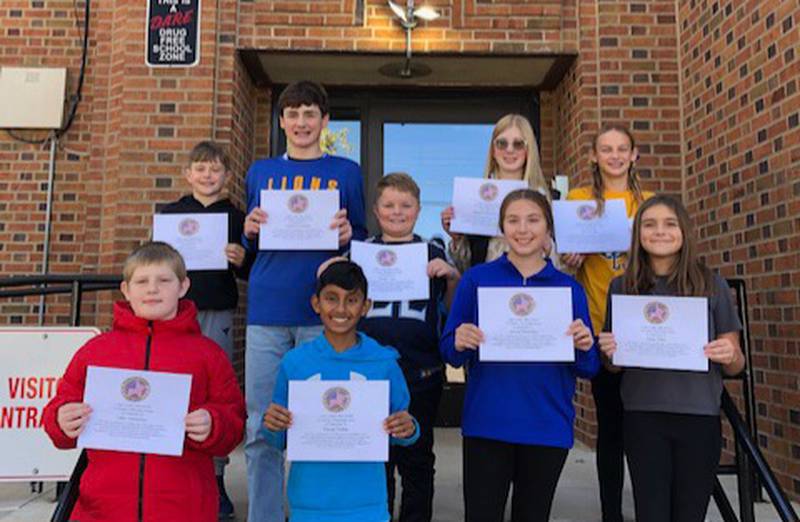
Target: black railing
x,y
75,285
54,284
750,467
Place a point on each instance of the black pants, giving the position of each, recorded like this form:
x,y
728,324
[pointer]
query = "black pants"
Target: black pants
x,y
491,466
673,459
610,458
415,463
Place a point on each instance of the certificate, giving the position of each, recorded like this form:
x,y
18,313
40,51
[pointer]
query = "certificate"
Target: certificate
x,y
135,410
660,332
394,272
525,324
476,204
299,220
200,238
579,230
338,421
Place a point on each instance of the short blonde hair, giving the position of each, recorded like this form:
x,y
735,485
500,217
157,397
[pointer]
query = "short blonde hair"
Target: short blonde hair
x,y
400,181
152,253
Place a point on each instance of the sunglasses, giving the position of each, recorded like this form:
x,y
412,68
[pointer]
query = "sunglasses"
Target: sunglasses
x,y
502,144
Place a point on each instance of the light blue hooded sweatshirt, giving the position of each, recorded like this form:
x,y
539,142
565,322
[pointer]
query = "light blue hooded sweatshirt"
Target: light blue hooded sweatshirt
x,y
340,491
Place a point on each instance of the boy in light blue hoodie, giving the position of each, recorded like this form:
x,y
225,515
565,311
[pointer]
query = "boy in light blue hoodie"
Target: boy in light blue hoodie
x,y
340,491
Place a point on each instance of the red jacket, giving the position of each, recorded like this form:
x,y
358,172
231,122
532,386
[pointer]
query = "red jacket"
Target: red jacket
x,y
124,486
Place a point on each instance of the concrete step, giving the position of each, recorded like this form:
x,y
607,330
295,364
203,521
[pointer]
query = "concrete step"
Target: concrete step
x,y
576,498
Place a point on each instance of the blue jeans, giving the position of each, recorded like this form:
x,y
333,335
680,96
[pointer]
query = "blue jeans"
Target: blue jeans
x,y
265,347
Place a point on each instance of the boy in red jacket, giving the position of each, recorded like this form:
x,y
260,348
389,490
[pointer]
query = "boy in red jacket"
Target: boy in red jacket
x,y
154,331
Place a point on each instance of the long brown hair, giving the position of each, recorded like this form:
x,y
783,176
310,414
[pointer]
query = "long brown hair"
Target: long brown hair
x,y
688,276
598,189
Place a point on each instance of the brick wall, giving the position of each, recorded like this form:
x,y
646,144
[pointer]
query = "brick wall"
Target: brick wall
x,y
466,25
740,72
626,72
34,36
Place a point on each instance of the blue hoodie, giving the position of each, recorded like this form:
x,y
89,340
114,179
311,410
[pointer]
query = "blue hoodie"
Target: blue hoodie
x,y
340,491
522,403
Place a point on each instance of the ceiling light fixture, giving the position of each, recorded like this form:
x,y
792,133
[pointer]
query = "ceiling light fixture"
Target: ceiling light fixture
x,y
409,18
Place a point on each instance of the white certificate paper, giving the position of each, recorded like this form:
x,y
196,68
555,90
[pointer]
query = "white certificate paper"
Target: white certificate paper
x,y
200,238
579,230
476,204
525,324
660,332
338,421
135,410
299,220
394,272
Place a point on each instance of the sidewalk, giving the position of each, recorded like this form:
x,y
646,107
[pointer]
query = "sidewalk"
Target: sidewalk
x,y
576,498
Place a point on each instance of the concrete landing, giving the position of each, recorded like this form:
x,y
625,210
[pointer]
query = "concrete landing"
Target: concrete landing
x,y
576,498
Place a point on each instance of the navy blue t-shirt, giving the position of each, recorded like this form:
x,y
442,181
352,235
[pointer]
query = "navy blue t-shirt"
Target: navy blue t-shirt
x,y
412,327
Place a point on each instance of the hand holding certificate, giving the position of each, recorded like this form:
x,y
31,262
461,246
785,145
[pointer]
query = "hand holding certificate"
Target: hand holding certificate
x,y
660,332
200,238
299,220
526,324
135,410
394,272
476,204
579,230
338,421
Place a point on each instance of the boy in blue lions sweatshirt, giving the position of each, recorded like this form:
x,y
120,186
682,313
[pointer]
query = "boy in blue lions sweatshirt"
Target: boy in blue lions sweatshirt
x,y
279,316
340,491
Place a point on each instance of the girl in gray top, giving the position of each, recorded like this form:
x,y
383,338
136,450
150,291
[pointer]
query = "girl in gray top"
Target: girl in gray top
x,y
671,425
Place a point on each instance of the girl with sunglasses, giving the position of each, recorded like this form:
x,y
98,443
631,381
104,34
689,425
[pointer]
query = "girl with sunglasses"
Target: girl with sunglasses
x,y
513,154
614,176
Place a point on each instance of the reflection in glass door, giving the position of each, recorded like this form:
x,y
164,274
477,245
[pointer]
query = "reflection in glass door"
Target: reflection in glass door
x,y
342,138
433,154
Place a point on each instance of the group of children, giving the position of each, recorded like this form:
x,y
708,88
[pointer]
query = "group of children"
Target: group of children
x,y
518,417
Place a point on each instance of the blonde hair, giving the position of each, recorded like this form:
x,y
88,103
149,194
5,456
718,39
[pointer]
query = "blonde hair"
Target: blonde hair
x,y
152,253
533,166
597,177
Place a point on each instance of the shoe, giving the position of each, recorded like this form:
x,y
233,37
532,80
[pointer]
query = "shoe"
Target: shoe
x,y
225,504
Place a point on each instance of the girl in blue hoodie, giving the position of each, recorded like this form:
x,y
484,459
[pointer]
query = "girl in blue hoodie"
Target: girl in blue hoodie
x,y
340,491
517,420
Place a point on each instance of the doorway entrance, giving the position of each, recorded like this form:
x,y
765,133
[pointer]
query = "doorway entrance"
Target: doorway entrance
x,y
433,136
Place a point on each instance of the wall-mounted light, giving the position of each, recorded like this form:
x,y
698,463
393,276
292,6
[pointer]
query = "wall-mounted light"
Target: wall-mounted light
x,y
409,18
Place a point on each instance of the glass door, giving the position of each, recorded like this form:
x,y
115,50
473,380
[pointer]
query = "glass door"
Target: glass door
x,y
433,154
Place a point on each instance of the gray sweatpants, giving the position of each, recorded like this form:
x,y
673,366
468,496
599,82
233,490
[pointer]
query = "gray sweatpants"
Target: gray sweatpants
x,y
218,325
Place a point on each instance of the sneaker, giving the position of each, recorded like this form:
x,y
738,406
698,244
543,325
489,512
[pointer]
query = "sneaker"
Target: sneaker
x,y
225,504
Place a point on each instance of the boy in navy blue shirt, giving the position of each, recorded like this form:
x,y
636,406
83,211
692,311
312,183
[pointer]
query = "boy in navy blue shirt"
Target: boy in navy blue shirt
x,y
279,313
412,327
214,292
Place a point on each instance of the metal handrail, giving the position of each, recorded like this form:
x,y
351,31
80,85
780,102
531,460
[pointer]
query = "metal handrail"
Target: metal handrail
x,y
20,280
779,500
751,468
77,284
